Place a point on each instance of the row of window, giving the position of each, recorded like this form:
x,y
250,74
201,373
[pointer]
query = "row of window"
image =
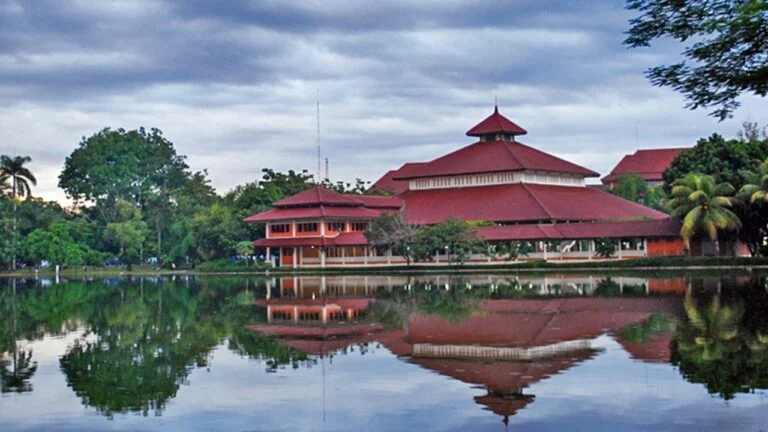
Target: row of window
x,y
312,227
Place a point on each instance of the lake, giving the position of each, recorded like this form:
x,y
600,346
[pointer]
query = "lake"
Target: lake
x,y
534,352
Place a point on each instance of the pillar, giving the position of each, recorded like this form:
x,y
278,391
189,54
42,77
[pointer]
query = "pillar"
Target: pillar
x,y
295,257
269,255
322,257
619,248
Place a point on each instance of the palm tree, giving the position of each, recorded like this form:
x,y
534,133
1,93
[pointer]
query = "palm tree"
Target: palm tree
x,y
12,169
756,189
703,205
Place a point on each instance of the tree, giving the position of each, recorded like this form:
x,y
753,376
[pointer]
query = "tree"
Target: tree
x,y
456,238
728,161
634,188
606,247
13,170
631,188
726,55
58,245
128,232
217,232
703,206
390,231
119,165
756,189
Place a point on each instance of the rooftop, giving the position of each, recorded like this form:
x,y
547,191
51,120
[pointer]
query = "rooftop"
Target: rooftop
x,y
648,164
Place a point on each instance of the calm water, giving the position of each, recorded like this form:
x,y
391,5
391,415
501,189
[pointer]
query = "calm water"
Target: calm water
x,y
385,353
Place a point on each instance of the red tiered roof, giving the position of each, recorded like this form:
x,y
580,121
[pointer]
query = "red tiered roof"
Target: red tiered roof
x,y
318,202
387,182
495,156
496,123
648,164
520,202
318,195
303,213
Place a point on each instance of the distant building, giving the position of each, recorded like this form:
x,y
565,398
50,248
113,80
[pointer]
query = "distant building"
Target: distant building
x,y
649,164
528,194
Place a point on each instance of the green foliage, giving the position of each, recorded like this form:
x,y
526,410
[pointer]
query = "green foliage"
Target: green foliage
x,y
217,232
635,188
630,187
13,170
114,165
129,231
453,237
58,245
731,161
726,52
605,247
390,231
716,156
722,341
703,206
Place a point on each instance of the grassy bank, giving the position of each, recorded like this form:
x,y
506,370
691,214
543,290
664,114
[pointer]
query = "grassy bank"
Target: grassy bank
x,y
653,265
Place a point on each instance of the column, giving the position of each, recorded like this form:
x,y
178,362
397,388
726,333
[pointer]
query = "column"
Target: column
x,y
295,256
619,248
322,256
269,255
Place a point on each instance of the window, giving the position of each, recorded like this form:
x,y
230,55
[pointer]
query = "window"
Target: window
x,y
280,228
335,226
306,227
358,226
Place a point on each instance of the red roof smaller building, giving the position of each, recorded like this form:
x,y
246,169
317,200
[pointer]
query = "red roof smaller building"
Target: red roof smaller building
x,y
318,195
304,213
648,164
496,123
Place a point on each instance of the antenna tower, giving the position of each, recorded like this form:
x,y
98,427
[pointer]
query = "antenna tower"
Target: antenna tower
x,y
318,136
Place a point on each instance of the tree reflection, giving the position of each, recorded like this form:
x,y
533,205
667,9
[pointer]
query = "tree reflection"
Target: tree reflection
x,y
140,339
16,371
16,364
721,342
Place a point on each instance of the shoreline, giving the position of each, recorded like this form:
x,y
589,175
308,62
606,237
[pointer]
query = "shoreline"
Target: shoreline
x,y
400,270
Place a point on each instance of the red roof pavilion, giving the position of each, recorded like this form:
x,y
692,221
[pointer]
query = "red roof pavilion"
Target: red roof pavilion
x,y
648,164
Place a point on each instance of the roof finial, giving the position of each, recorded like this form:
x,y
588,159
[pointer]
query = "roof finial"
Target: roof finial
x,y
496,103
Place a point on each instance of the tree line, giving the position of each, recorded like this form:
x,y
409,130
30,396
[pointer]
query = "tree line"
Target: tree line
x,y
134,198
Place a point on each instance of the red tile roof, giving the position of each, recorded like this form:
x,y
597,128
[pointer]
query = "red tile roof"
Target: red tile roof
x,y
495,156
496,123
669,227
520,203
318,195
380,202
324,212
387,182
648,164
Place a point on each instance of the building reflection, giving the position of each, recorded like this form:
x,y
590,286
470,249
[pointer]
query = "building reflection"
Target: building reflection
x,y
503,334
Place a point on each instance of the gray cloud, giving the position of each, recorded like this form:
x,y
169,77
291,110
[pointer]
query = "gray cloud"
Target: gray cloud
x,y
232,84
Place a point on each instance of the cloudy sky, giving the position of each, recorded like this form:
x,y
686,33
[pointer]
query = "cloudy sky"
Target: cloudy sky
x,y
233,84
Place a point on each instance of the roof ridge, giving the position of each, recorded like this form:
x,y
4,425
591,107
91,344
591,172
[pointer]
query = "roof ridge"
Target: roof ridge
x,y
538,201
514,156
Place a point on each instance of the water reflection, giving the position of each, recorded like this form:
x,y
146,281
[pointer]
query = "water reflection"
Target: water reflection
x,y
136,342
